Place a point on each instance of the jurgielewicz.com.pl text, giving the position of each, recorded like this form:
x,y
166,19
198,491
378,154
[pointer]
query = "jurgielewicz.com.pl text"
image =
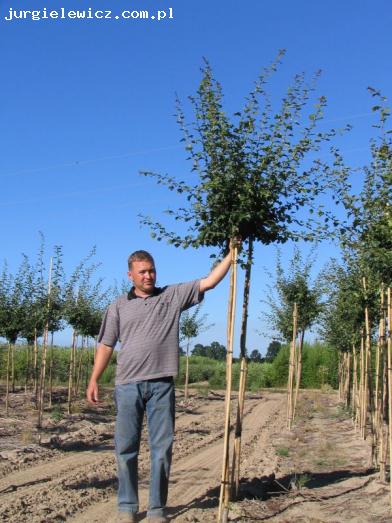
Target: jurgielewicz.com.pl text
x,y
50,15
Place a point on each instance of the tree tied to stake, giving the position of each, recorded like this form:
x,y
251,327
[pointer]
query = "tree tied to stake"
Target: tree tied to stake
x,y
256,175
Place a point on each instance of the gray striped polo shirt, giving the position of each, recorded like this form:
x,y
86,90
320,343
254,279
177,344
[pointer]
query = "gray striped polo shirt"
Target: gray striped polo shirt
x,y
148,330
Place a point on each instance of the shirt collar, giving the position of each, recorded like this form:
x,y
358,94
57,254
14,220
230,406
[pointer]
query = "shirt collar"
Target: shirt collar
x,y
132,295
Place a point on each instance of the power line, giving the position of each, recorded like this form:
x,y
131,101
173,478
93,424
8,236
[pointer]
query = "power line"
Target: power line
x,y
78,163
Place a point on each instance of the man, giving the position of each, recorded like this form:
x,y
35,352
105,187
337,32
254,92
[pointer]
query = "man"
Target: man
x,y
146,322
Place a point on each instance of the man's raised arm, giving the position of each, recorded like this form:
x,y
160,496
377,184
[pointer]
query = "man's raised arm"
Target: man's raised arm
x,y
102,358
219,272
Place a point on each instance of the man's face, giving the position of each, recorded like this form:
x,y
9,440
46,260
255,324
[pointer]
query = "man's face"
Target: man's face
x,y
143,275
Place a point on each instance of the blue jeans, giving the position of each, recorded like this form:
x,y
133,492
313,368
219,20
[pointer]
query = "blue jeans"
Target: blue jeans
x,y
156,398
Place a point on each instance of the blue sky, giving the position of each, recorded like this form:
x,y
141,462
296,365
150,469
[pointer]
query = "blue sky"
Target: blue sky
x,y
87,104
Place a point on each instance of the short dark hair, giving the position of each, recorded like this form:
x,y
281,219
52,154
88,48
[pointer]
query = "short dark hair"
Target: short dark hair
x,y
139,256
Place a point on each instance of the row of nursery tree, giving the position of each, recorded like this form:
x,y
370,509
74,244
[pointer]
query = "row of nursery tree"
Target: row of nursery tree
x,y
319,370
39,300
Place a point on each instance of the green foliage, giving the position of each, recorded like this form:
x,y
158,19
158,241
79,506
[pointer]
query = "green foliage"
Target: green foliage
x,y
28,303
369,238
283,451
85,301
260,375
57,413
215,351
60,369
343,315
366,245
252,172
200,369
319,368
293,287
192,325
12,299
273,350
255,356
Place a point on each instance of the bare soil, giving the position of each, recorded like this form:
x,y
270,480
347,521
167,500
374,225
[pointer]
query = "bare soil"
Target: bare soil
x,y
318,472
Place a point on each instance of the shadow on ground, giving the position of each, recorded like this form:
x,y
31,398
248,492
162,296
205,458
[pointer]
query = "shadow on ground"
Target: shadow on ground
x,y
269,487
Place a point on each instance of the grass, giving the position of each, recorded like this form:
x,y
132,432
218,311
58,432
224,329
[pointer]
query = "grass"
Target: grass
x,y
57,413
302,480
342,412
283,452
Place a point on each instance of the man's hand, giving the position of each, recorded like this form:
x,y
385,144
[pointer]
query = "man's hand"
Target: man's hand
x,y
102,357
92,393
219,271
236,242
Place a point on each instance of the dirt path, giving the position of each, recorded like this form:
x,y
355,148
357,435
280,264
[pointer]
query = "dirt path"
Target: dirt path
x,y
319,472
80,486
195,477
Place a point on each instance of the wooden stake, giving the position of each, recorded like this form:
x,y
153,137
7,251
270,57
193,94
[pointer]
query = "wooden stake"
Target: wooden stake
x,y
390,386
224,489
79,370
186,390
361,380
71,370
35,368
41,396
384,391
51,371
354,398
236,460
7,389
27,368
367,381
13,367
290,380
298,370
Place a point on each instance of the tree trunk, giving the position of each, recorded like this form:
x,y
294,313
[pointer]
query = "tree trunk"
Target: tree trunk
x,y
225,478
290,381
27,375
390,386
298,368
71,371
43,357
354,396
186,392
79,373
368,397
35,377
347,386
41,393
236,463
13,367
51,370
7,386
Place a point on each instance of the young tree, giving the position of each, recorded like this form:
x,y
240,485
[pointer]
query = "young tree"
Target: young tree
x,y
35,310
85,302
273,350
369,237
255,356
294,289
191,326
